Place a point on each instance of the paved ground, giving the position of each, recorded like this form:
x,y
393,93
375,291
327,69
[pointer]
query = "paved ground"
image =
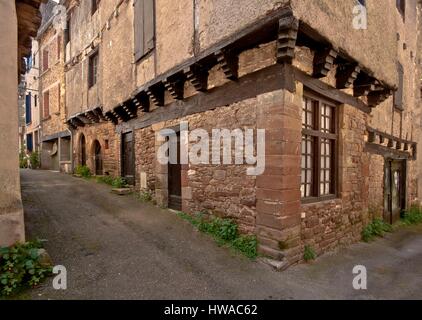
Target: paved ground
x,y
118,248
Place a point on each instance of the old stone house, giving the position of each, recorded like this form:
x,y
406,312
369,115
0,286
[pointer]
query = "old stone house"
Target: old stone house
x,y
31,100
335,85
56,137
19,21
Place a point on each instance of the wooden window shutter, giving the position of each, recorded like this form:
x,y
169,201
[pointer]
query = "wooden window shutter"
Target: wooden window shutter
x,y
149,27
59,45
144,28
45,59
58,97
46,104
398,95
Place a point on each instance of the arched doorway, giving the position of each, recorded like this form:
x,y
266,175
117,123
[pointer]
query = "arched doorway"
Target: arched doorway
x,y
82,148
98,158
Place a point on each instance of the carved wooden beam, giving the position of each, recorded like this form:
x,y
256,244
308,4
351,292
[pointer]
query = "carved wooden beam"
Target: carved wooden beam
x,y
364,84
77,122
288,27
120,113
111,117
141,101
377,97
71,124
99,113
130,109
92,116
346,75
198,76
229,63
116,114
324,61
156,93
83,119
176,86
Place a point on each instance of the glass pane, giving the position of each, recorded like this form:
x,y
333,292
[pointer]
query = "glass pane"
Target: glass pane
x,y
309,177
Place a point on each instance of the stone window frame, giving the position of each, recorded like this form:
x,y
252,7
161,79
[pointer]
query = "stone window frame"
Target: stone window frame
x,y
314,132
93,68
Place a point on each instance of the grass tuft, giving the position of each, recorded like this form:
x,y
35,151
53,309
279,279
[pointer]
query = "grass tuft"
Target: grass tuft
x,y
225,232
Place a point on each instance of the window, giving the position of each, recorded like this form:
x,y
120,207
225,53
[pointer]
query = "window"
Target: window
x,y
35,101
144,29
28,111
398,95
44,59
29,142
319,139
94,5
106,145
401,6
59,46
93,69
46,104
362,2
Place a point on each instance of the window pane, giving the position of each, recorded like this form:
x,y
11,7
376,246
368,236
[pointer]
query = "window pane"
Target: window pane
x,y
307,159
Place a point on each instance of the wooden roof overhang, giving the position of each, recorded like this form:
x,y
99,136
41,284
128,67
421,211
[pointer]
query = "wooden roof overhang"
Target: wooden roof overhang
x,y
280,25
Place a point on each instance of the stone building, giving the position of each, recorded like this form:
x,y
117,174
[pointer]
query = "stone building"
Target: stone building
x,y
56,138
335,85
31,101
19,21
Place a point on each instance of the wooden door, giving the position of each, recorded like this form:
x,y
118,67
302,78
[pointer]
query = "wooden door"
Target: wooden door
x,y
98,159
395,190
83,151
175,181
128,158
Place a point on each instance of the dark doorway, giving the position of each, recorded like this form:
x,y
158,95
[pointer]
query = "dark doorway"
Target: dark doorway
x,y
98,158
82,149
128,158
175,179
394,189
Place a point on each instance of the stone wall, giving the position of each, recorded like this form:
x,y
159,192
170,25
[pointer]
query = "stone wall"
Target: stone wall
x,y
106,135
11,211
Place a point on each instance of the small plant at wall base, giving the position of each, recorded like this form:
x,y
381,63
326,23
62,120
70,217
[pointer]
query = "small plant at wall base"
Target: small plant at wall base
x,y
377,228
105,179
145,196
412,216
119,183
34,158
309,254
225,232
23,163
83,171
21,266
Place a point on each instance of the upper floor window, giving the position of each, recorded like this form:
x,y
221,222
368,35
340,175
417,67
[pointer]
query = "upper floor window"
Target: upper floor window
x,y
46,104
59,46
93,69
28,111
144,29
45,61
319,145
401,6
398,95
94,5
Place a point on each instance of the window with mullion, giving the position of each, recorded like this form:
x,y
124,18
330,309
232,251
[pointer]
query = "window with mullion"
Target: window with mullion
x,y
319,138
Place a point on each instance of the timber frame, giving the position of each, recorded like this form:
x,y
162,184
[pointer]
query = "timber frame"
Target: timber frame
x,y
390,146
288,32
